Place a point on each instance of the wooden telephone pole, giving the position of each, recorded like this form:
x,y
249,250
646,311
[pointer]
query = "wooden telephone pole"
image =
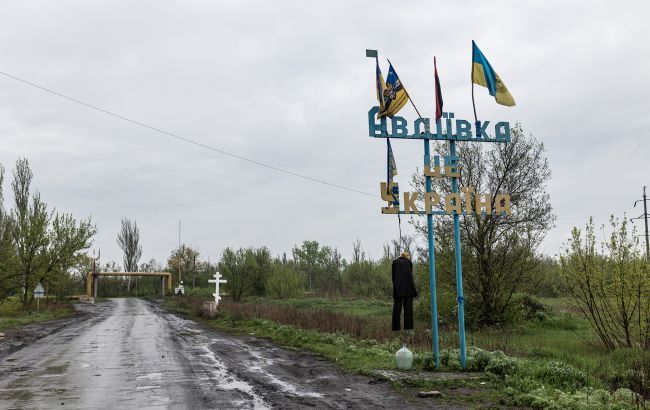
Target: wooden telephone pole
x,y
644,215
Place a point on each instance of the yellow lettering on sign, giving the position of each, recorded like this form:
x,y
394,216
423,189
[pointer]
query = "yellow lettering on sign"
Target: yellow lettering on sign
x,y
435,173
388,197
409,202
452,171
386,194
502,204
468,198
431,199
452,203
484,201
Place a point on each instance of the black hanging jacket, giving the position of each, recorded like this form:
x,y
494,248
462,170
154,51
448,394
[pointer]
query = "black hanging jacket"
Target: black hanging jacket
x,y
403,286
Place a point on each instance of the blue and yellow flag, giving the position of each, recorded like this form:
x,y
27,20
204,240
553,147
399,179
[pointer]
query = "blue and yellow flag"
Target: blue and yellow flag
x,y
381,86
391,167
483,74
395,96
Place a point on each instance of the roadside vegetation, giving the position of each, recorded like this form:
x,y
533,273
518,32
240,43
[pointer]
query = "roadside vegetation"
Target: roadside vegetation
x,y
570,331
14,314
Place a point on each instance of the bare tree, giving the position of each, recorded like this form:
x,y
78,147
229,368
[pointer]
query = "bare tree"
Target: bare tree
x,y
129,241
358,254
499,252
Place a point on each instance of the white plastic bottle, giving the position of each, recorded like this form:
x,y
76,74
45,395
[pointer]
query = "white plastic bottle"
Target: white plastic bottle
x,y
404,358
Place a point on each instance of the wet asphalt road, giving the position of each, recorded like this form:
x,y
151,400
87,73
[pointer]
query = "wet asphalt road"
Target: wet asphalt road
x,y
129,353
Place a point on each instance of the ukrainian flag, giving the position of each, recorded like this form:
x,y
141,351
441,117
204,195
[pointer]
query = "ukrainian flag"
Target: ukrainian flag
x,y
381,86
391,167
391,170
395,96
483,74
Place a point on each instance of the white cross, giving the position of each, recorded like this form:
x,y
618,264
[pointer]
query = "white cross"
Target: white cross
x,y
217,280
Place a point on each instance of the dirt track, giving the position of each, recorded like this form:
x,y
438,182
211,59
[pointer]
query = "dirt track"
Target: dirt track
x,y
129,353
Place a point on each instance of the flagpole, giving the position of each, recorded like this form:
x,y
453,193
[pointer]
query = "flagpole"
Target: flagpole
x,y
473,103
388,176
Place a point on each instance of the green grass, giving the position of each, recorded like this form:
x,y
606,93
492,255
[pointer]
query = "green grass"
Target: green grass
x,y
14,315
558,363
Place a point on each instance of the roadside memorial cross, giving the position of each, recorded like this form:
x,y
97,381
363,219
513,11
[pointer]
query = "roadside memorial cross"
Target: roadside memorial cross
x,y
217,280
39,292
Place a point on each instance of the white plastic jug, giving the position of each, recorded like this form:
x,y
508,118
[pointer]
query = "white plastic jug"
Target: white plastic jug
x,y
404,358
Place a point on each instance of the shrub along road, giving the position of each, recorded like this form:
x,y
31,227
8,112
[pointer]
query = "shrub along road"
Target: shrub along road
x,y
129,353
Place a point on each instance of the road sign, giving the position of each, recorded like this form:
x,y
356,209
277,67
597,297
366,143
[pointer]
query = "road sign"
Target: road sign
x,y
39,292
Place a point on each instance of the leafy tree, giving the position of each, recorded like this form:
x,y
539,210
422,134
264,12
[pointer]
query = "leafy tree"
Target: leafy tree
x,y
499,253
184,258
611,288
263,267
237,267
67,239
284,282
8,269
331,280
151,266
46,245
310,258
31,220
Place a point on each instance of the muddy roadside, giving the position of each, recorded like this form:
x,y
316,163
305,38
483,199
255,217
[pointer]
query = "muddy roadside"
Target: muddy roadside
x,y
288,378
22,336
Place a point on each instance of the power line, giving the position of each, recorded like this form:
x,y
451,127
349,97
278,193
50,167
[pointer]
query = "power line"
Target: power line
x,y
199,144
170,134
594,216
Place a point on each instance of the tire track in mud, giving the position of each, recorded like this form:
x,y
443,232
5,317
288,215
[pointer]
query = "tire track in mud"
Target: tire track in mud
x,y
275,377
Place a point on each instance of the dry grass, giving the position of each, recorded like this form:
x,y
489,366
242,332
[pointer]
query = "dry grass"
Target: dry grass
x,y
378,329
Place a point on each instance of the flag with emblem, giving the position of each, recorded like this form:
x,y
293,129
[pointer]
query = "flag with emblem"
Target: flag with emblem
x,y
395,95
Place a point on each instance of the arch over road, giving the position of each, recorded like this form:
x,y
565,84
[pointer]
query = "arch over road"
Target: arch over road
x,y
165,280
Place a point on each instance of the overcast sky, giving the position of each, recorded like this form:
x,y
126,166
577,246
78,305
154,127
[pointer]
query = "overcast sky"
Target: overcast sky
x,y
288,84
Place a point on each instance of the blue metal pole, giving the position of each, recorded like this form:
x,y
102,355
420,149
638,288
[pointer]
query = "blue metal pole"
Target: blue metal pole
x,y
432,266
459,270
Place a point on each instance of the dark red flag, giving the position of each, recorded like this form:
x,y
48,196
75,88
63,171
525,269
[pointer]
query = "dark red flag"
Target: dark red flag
x,y
438,92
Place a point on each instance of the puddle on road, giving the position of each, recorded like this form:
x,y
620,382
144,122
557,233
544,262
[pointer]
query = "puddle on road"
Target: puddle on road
x,y
150,376
227,381
284,386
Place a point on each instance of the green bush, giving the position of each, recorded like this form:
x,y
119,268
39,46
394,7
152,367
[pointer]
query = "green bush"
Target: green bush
x,y
284,283
428,363
627,368
478,360
501,365
582,399
560,375
10,306
366,278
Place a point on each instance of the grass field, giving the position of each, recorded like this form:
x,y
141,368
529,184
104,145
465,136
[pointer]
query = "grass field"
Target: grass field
x,y
14,315
550,362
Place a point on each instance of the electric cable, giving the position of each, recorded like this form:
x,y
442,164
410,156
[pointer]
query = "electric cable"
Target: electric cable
x,y
188,140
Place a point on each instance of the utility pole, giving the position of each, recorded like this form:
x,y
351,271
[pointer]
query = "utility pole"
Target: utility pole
x,y
645,217
180,279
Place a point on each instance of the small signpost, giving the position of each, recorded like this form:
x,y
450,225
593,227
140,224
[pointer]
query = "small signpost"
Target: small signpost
x,y
180,290
39,292
217,280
